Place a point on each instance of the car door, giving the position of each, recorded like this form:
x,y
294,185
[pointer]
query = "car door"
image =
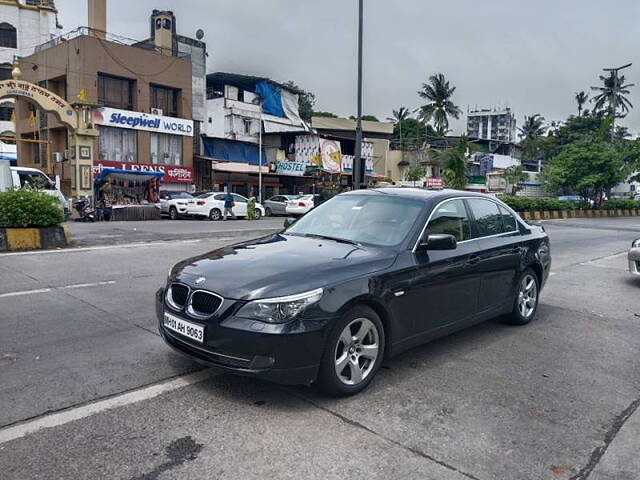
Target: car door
x,y
240,208
276,204
440,288
500,243
164,203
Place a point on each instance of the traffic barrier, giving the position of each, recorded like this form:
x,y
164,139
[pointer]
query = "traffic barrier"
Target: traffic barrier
x,y
34,238
536,215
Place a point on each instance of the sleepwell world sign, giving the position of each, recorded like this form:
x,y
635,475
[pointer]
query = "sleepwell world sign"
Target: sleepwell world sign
x,y
112,117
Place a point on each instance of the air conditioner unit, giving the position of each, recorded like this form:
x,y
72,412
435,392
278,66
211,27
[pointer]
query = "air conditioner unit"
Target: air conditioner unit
x,y
156,111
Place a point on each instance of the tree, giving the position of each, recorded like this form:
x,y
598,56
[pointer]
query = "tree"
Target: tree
x,y
514,175
410,134
532,128
399,115
368,118
415,174
440,106
455,162
325,114
612,95
306,101
621,133
587,168
581,98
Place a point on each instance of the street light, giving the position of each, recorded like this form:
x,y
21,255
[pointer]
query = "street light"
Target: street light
x,y
358,165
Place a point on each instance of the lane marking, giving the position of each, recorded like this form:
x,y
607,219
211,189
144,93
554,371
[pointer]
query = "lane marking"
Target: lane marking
x,y
600,259
101,247
77,413
50,289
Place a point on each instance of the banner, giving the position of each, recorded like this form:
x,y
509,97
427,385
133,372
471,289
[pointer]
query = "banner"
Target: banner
x,y
172,173
295,169
112,117
330,155
308,149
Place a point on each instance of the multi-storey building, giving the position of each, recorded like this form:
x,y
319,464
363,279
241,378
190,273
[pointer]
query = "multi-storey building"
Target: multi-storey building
x,y
496,125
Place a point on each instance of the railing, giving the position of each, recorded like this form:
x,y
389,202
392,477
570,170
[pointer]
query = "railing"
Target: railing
x,y
109,37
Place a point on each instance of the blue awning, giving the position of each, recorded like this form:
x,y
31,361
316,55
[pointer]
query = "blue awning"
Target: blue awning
x,y
132,175
232,151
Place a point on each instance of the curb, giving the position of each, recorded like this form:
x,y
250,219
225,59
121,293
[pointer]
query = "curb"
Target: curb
x,y
558,214
12,239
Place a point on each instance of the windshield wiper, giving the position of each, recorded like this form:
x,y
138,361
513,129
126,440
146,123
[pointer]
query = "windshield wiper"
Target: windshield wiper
x,y
335,239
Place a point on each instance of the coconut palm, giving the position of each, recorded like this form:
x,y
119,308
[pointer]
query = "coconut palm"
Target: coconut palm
x,y
532,128
612,94
581,98
440,106
455,162
398,116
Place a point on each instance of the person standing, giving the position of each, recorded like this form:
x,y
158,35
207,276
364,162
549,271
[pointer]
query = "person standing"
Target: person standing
x,y
228,206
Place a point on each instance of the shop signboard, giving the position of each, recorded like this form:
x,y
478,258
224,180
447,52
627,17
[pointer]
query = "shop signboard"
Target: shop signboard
x,y
172,173
112,117
330,155
435,182
295,169
347,164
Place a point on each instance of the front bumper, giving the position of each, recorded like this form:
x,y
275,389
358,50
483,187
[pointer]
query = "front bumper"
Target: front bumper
x,y
282,354
634,261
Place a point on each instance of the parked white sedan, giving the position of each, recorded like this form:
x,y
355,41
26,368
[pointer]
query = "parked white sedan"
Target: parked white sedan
x,y
212,205
300,206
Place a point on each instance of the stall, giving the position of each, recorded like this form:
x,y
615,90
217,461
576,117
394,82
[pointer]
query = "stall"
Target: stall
x,y
127,194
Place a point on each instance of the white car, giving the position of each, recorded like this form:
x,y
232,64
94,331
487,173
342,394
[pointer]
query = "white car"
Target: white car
x,y
174,204
300,205
634,257
212,205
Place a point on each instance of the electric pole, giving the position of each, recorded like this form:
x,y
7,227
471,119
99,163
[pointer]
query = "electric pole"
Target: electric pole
x,y
358,170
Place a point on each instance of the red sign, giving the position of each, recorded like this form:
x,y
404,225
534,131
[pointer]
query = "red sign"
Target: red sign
x,y
172,173
434,182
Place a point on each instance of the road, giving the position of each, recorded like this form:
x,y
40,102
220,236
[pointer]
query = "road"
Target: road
x,y
88,389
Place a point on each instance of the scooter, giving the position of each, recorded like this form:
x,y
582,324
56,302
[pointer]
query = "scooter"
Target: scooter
x,y
85,211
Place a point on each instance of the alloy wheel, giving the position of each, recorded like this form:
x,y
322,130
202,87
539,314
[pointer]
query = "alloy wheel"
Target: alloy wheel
x,y
258,214
215,214
527,296
356,352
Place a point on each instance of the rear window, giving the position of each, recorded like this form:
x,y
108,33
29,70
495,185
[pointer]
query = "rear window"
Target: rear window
x,y
508,220
488,217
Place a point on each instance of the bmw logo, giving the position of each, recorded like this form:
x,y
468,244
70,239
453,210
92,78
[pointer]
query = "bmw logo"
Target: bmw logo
x,y
200,280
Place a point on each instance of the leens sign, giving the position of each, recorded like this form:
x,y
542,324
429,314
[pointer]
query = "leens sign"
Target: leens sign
x,y
112,117
172,173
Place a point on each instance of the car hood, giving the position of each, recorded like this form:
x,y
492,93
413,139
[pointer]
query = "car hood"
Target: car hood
x,y
279,265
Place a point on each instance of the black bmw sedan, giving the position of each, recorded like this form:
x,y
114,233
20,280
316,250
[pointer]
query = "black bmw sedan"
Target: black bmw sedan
x,y
364,276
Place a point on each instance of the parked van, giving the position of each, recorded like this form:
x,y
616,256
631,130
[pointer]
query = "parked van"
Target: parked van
x,y
24,177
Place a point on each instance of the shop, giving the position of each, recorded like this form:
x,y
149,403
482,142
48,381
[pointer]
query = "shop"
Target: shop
x,y
127,194
173,178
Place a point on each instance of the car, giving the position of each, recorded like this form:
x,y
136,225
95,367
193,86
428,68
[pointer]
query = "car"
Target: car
x,y
276,204
634,257
174,204
300,205
570,198
362,277
212,205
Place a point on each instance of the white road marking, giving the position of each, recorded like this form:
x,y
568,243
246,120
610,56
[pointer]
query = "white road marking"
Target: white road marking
x,y
103,247
595,261
60,418
50,289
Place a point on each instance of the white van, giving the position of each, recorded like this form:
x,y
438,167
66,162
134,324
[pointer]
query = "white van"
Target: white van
x,y
24,177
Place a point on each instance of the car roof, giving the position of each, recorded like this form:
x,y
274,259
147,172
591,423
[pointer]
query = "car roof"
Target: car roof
x,y
419,193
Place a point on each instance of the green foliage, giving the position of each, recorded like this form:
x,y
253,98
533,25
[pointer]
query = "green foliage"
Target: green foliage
x,y
306,101
29,208
622,204
416,174
581,99
513,175
325,114
399,115
532,128
455,162
440,106
411,133
612,96
520,204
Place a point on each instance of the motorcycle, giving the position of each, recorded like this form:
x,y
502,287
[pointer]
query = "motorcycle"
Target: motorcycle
x,y
85,211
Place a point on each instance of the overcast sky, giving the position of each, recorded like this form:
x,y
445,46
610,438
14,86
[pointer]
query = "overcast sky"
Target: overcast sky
x,y
531,56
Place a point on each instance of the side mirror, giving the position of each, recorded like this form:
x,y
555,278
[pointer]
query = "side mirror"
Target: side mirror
x,y
439,241
289,221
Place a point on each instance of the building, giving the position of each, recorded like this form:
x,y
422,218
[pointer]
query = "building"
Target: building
x,y
23,25
141,93
496,125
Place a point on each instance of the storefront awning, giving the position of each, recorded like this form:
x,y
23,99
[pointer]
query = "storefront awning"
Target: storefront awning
x,y
131,175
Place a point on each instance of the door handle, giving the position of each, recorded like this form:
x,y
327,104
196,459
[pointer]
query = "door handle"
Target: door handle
x,y
473,259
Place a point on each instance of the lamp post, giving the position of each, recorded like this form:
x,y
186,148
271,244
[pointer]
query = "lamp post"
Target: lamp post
x,y
260,157
358,167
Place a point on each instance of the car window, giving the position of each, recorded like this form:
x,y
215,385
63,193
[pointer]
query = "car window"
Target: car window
x,y
278,198
450,218
173,196
204,195
220,197
35,180
508,220
238,198
487,215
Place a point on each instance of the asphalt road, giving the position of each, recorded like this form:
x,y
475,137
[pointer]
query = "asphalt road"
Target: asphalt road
x,y
88,390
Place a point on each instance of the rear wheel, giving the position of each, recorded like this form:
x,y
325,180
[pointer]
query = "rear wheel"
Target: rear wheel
x,y
173,213
267,212
215,214
526,301
353,354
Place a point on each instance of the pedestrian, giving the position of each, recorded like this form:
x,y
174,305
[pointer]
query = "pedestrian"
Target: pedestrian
x,y
228,206
251,208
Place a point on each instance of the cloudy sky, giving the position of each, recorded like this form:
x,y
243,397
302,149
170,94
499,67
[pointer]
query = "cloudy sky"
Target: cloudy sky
x,y
531,56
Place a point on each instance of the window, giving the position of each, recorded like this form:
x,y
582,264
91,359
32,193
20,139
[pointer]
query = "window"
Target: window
x,y
450,218
165,99
6,111
35,180
117,144
5,71
488,217
508,220
220,197
8,36
166,149
247,126
115,92
239,199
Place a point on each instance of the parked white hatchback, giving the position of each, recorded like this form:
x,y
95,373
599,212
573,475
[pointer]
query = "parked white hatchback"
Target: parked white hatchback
x,y
301,205
212,205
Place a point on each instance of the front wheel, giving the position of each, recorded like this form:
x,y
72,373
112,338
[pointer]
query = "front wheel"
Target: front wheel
x,y
173,213
215,214
353,354
526,301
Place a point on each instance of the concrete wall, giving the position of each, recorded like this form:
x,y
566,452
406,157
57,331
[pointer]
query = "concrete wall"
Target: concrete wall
x,y
34,26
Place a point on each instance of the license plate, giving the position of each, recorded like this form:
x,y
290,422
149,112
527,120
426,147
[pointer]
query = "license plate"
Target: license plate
x,y
183,327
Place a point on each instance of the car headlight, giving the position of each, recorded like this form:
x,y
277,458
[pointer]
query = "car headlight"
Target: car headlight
x,y
636,243
280,309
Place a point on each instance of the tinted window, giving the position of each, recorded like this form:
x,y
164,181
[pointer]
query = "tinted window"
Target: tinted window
x,y
277,199
220,197
508,220
450,218
239,199
487,215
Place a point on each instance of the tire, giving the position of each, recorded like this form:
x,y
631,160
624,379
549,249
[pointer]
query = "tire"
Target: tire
x,y
173,213
215,214
354,357
267,212
525,304
258,214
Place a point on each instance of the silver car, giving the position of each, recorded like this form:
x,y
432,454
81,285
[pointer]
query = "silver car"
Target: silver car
x,y
276,205
634,257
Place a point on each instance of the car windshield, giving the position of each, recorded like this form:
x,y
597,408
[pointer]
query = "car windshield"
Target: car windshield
x,y
181,195
381,220
204,195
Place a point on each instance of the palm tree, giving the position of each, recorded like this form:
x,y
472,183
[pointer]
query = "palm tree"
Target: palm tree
x,y
532,128
440,106
455,162
581,98
612,94
397,117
